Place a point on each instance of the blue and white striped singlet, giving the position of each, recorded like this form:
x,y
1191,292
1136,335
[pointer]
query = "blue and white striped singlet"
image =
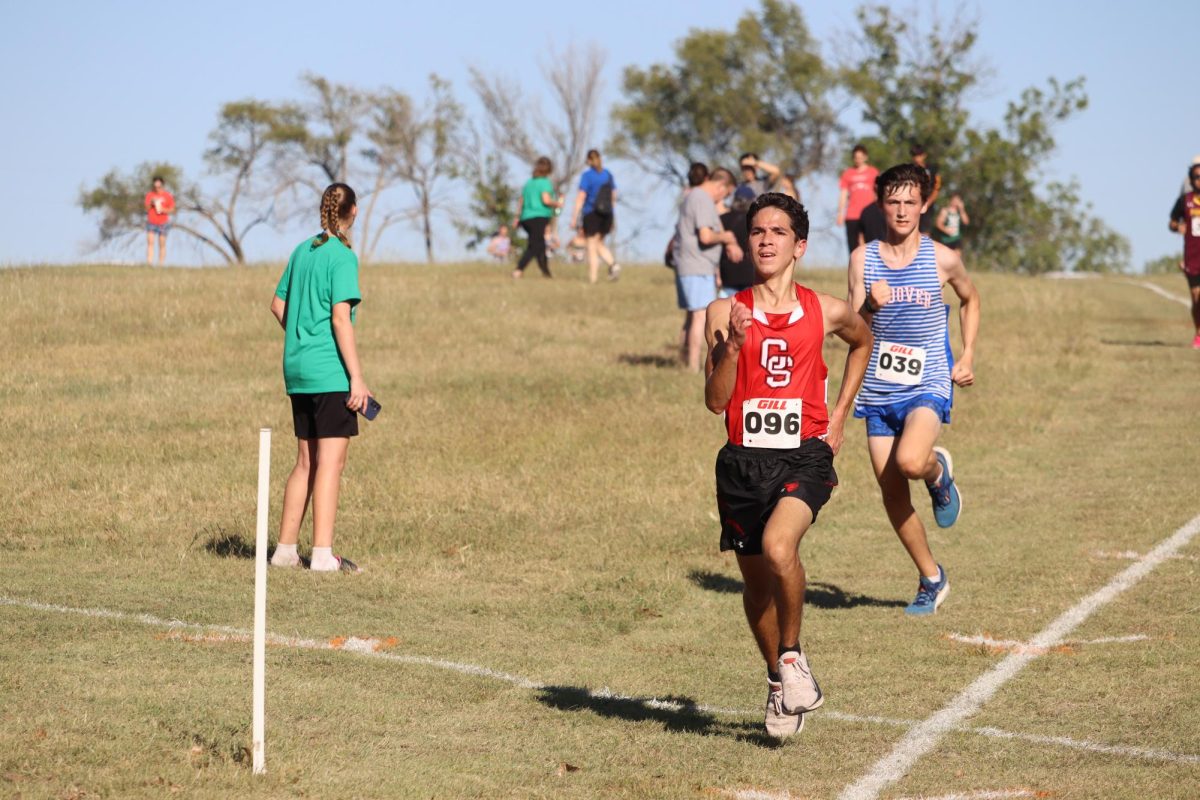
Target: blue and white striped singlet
x,y
915,317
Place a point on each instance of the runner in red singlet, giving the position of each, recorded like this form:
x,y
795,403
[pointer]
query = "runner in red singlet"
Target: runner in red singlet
x,y
766,374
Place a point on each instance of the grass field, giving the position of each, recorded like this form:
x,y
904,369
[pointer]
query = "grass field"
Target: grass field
x,y
545,611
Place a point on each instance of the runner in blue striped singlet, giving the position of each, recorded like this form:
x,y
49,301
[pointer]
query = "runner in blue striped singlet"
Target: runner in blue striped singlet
x,y
906,395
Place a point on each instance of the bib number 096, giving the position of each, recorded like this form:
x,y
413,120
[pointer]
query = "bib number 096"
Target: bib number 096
x,y
900,363
771,422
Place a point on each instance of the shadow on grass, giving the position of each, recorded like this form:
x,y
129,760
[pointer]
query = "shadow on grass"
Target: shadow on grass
x,y
675,714
1141,343
232,545
648,360
820,595
715,582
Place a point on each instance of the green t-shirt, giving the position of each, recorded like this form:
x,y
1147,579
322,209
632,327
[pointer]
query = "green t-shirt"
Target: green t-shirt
x,y
532,205
316,279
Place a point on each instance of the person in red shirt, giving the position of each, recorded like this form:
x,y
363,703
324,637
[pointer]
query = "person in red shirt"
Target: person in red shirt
x,y
857,192
1185,219
160,205
766,374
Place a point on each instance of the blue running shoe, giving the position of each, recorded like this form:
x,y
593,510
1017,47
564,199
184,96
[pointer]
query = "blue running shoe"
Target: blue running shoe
x,y
930,595
947,501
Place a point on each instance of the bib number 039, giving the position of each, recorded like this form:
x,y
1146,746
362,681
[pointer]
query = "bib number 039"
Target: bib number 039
x,y
900,363
771,422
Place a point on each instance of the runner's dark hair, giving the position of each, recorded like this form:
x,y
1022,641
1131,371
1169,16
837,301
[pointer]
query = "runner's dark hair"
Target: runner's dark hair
x,y
894,178
788,205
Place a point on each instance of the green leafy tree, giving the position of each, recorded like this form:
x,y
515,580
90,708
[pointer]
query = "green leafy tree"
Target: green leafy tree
x,y
1163,265
913,86
493,202
246,135
763,87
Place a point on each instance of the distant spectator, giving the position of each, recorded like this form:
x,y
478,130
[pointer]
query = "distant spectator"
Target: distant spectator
x,y
929,214
857,191
736,275
535,209
874,226
697,256
750,165
697,174
596,202
500,245
1185,219
160,205
950,221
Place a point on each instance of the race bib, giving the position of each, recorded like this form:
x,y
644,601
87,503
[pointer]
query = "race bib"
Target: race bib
x,y
900,363
1196,226
771,422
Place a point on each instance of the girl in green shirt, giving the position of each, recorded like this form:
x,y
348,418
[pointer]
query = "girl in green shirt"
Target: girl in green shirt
x,y
314,304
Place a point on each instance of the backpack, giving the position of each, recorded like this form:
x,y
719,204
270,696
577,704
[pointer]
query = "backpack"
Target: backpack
x,y
603,204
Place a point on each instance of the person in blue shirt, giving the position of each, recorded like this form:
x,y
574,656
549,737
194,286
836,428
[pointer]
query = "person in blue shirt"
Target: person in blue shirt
x,y
596,199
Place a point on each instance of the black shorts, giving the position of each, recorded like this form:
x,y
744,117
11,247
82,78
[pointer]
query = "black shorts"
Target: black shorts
x,y
1193,280
323,416
751,480
594,223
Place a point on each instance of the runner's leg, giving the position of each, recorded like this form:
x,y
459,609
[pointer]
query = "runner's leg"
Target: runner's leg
x,y
781,552
897,502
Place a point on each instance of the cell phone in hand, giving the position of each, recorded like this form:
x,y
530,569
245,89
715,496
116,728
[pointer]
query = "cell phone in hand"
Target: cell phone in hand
x,y
373,408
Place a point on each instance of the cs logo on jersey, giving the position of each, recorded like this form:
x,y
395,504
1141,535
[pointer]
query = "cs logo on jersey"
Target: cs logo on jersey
x,y
777,362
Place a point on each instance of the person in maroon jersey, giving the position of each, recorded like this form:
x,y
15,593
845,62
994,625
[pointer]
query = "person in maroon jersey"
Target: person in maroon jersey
x,y
1185,219
766,374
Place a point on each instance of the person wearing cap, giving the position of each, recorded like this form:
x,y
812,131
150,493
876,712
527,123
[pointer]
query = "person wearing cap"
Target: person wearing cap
x,y
929,213
1185,219
751,164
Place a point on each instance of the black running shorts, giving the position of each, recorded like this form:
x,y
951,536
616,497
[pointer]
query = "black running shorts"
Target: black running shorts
x,y
323,416
751,480
1192,280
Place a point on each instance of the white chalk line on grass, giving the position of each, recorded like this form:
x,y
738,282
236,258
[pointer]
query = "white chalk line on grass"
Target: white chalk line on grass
x,y
925,736
378,648
1161,291
982,794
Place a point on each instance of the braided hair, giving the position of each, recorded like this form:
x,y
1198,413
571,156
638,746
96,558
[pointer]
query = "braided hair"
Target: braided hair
x,y
335,207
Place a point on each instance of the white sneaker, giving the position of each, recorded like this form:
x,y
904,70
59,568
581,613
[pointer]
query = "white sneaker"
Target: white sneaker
x,y
779,724
614,271
800,690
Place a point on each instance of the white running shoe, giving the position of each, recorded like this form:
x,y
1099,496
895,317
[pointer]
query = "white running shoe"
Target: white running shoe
x,y
800,690
779,724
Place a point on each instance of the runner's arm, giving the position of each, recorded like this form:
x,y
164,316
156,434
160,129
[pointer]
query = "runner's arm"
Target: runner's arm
x,y
1179,216
579,200
850,327
720,367
951,265
943,212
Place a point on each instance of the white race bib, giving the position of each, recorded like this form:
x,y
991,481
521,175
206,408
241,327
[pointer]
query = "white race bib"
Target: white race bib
x,y
1196,225
771,422
900,363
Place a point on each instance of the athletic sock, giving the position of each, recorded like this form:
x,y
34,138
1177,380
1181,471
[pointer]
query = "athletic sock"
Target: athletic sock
x,y
323,560
935,577
795,648
938,479
773,677
285,555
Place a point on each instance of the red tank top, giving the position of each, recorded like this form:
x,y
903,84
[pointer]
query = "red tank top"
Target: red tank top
x,y
781,377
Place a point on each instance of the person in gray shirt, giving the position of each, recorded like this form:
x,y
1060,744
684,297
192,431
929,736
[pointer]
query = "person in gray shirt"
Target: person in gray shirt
x,y
699,239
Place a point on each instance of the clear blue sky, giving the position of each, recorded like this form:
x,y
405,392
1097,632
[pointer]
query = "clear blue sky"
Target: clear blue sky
x,y
93,86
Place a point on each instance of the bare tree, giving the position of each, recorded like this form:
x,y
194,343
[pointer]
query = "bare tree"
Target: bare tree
x,y
416,147
522,130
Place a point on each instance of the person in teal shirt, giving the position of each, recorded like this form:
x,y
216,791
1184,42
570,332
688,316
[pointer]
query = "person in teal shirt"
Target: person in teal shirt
x,y
315,304
535,210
